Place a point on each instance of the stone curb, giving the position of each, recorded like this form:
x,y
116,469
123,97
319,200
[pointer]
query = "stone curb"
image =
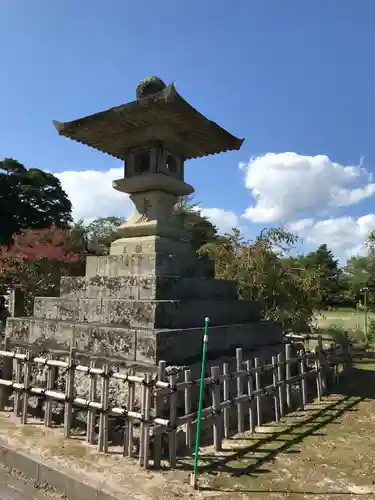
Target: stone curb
x,y
62,480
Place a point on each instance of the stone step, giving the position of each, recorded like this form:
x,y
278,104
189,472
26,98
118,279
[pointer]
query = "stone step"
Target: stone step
x,y
175,346
147,288
146,314
144,264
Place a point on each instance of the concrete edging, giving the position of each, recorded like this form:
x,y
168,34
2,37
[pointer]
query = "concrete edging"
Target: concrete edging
x,y
62,480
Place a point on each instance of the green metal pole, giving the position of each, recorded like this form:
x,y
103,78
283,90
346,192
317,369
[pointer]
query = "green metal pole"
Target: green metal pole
x,y
200,406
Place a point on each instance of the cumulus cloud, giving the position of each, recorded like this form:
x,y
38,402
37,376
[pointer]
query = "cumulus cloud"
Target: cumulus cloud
x,y
224,220
92,196
344,235
289,185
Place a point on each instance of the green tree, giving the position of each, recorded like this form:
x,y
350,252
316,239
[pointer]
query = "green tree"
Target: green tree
x,y
96,237
30,198
287,291
199,228
355,276
324,262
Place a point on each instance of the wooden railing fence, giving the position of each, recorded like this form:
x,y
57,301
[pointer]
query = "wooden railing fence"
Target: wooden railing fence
x,y
252,389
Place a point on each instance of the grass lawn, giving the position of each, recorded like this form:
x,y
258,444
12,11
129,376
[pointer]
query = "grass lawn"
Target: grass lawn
x,y
347,318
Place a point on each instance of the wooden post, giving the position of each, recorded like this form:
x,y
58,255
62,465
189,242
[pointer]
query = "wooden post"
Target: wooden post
x,y
240,414
302,365
218,421
6,374
91,414
257,387
306,342
335,366
226,395
17,392
288,374
141,430
280,374
129,425
69,392
173,420
17,303
26,382
347,352
189,428
275,380
146,419
250,390
103,420
159,406
318,376
49,401
322,363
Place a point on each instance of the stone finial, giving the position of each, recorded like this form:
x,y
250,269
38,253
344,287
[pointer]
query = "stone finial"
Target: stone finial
x,y
149,86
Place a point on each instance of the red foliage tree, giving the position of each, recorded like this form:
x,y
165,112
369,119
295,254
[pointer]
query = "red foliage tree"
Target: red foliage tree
x,y
38,258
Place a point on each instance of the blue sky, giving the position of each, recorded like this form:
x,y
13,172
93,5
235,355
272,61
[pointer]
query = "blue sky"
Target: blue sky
x,y
291,76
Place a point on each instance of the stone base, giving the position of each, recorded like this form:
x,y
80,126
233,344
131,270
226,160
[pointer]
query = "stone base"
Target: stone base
x,y
152,264
146,313
145,307
143,346
147,288
151,245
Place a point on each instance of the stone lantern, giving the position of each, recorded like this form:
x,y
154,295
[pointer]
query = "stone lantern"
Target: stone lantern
x,y
148,298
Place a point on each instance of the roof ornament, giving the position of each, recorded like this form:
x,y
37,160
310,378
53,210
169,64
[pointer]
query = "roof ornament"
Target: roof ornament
x,y
149,86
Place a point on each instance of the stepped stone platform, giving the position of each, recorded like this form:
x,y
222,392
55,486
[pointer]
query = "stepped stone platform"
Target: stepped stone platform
x,y
148,299
143,318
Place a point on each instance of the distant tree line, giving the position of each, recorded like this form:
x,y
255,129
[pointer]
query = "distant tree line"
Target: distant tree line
x,y
39,243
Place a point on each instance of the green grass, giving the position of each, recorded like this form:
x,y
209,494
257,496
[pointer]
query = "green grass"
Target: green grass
x,y
351,319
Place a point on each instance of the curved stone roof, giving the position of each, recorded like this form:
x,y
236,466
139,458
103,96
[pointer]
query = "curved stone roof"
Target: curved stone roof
x,y
160,117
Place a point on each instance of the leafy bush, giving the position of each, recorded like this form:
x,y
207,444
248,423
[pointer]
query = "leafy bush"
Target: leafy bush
x,y
287,290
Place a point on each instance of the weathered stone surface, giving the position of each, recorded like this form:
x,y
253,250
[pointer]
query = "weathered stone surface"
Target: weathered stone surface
x,y
100,340
146,313
150,244
160,264
147,288
176,346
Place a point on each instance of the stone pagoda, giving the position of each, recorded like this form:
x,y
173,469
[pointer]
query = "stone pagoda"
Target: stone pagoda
x,y
148,298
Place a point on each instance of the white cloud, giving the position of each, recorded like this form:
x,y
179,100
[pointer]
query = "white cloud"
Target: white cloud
x,y
288,185
224,220
92,194
344,235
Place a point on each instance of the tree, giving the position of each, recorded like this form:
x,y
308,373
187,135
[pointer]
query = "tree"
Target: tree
x,y
200,230
96,237
323,261
287,293
36,260
355,276
30,198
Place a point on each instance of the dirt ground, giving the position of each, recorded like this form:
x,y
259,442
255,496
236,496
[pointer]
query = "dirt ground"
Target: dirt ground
x,y
325,452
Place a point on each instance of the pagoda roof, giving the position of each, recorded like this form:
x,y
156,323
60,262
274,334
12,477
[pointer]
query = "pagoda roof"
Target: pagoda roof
x,y
164,116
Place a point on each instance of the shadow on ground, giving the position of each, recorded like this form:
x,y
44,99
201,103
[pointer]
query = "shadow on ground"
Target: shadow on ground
x,y
251,456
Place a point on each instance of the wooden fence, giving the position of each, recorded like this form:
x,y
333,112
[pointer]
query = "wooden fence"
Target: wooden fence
x,y
237,398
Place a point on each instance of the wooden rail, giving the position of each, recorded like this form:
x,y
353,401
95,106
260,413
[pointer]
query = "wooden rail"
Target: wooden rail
x,y
258,391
